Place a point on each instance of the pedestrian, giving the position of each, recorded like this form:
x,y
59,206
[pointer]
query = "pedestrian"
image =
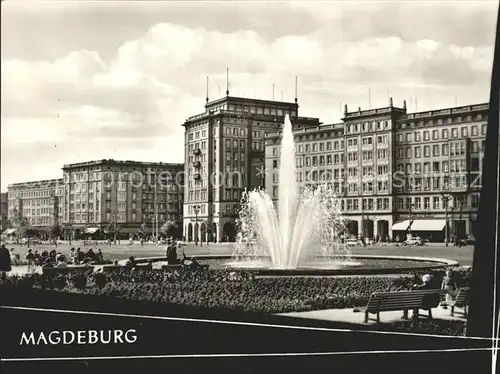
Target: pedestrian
x,y
449,285
30,258
5,263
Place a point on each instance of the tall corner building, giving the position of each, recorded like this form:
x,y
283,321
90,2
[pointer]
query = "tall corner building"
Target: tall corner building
x,y
224,155
395,170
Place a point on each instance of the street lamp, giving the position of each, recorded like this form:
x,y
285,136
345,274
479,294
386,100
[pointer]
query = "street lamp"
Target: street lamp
x,y
411,205
196,210
445,198
115,213
460,207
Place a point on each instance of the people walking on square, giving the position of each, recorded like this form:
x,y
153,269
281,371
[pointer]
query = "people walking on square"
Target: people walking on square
x,y
30,258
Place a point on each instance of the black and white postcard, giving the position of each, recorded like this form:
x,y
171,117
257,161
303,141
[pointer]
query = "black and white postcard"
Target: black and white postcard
x,y
249,186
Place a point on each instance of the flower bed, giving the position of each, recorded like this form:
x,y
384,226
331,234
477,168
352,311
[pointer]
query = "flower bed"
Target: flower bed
x,y
214,289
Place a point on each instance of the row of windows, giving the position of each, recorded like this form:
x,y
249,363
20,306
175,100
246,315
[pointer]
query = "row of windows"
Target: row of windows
x,y
315,147
34,193
428,183
436,202
367,204
368,126
451,149
197,134
38,221
37,211
434,167
441,121
455,133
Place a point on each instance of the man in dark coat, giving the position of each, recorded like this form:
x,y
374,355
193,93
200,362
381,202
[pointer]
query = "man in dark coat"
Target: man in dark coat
x,y
426,284
5,264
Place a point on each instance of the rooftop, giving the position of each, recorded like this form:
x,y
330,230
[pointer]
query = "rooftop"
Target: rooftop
x,y
120,163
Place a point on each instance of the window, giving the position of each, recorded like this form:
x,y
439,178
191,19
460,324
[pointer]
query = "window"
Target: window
x,y
445,149
418,152
436,202
435,134
444,133
454,132
427,202
427,151
435,150
417,136
464,132
475,201
483,129
418,203
408,137
426,135
474,130
382,139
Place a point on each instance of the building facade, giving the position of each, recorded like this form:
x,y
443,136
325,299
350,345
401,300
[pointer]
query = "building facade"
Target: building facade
x,y
41,202
390,167
123,194
224,155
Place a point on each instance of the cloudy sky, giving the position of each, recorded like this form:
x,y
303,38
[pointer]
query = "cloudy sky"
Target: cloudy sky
x,y
92,80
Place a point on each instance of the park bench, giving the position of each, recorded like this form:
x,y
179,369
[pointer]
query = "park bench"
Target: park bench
x,y
402,300
461,301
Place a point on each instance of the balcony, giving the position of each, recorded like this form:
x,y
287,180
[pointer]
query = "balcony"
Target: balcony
x,y
197,151
197,164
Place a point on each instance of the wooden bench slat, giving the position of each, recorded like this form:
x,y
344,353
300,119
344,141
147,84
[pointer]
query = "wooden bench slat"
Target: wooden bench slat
x,y
402,300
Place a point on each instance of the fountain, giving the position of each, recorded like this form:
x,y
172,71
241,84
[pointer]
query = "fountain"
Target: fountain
x,y
302,231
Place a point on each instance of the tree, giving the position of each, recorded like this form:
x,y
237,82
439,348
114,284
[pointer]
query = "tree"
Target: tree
x,y
21,224
112,231
169,228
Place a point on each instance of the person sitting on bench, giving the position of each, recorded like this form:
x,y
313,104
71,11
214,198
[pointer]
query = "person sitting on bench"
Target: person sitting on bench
x,y
425,285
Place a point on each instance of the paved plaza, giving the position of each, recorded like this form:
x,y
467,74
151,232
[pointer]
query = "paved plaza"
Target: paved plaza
x,y
348,315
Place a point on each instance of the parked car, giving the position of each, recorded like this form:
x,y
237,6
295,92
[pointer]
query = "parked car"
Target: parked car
x,y
468,241
417,240
352,242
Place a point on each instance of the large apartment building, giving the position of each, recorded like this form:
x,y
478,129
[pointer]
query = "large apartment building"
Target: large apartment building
x,y
224,155
123,193
93,195
41,202
395,170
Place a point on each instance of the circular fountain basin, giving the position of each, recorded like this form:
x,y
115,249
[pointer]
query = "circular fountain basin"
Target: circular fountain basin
x,y
325,266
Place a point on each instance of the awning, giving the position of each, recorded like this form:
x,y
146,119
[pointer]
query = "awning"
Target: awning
x,y
9,231
91,230
401,226
428,225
